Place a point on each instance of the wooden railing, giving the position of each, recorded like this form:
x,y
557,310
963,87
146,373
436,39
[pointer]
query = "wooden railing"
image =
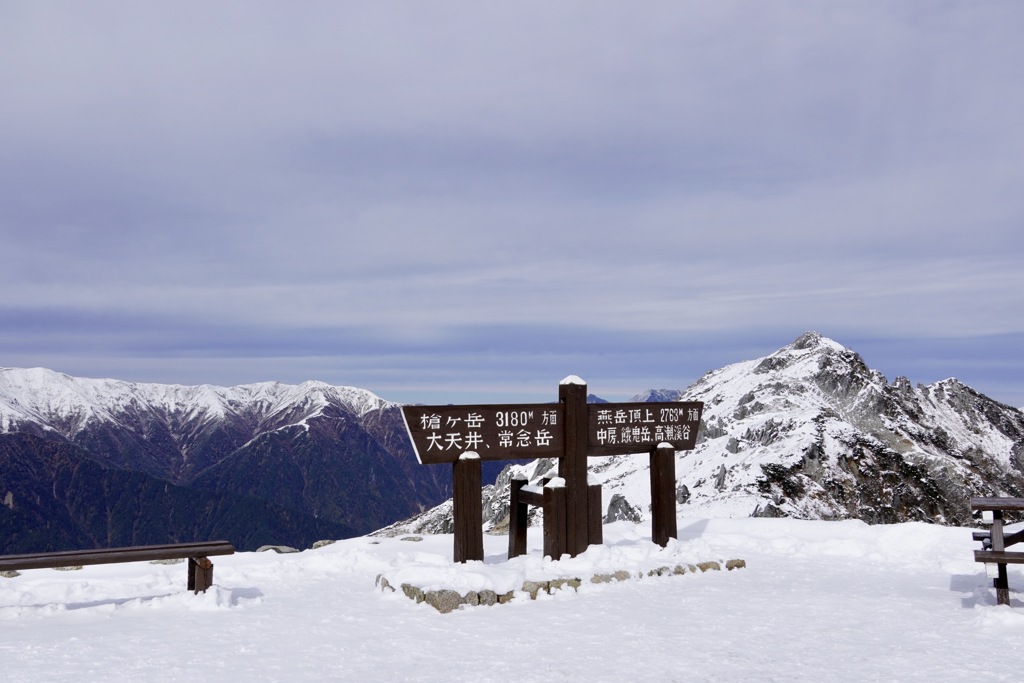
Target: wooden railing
x,y
200,568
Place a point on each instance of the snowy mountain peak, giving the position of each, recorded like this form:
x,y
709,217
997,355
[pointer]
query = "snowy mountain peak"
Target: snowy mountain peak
x,y
811,348
811,366
812,340
657,396
45,401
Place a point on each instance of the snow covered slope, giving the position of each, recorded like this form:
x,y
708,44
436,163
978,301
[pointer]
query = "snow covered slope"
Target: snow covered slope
x,y
818,601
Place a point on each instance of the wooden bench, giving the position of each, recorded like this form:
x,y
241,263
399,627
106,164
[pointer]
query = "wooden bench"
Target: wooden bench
x,y
995,541
200,568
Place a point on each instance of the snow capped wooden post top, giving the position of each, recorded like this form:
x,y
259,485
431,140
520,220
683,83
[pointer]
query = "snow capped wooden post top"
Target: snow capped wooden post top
x,y
571,430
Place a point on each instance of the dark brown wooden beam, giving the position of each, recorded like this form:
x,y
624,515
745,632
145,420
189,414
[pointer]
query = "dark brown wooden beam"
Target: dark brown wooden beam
x,y
467,509
1012,539
994,557
200,574
572,467
1002,585
518,518
595,519
663,495
532,495
555,518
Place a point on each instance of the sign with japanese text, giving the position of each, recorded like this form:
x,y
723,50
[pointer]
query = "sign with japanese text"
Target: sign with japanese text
x,y
619,428
508,432
494,432
570,430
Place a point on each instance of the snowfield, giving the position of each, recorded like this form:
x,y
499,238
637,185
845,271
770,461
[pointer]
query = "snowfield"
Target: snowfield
x,y
840,601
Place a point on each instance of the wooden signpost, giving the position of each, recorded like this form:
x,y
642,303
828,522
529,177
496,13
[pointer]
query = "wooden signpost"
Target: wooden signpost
x,y
571,431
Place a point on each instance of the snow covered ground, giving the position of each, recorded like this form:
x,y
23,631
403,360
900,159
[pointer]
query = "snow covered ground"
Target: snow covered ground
x,y
839,601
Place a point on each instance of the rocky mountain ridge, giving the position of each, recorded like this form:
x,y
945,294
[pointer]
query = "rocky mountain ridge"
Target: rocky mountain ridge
x,y
257,464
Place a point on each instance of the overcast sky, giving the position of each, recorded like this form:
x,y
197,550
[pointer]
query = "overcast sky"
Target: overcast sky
x,y
467,201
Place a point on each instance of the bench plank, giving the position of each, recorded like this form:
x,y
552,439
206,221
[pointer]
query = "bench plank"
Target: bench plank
x,y
991,504
996,557
68,558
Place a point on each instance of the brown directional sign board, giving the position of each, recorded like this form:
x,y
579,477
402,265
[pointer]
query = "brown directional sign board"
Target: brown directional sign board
x,y
495,432
619,428
507,432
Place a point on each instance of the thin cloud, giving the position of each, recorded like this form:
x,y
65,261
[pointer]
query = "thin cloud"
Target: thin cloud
x,y
491,191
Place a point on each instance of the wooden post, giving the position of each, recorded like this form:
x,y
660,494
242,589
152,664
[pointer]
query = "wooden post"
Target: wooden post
x,y
663,494
594,520
467,508
200,574
1002,586
572,467
518,518
555,528
1001,582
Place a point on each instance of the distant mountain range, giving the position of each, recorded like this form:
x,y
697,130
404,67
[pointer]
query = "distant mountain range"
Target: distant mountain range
x,y
811,432
99,463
